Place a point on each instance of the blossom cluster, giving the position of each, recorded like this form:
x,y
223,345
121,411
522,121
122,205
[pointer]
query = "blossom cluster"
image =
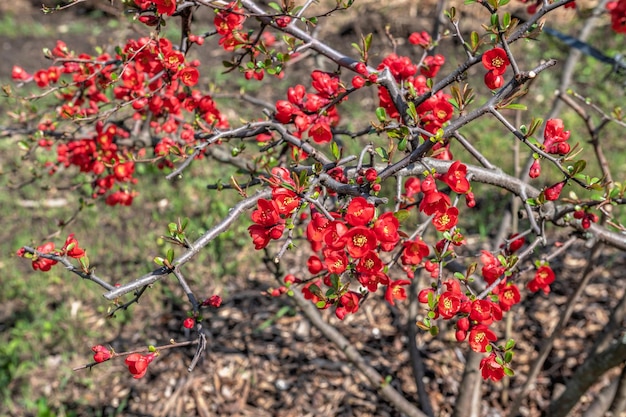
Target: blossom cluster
x,y
312,112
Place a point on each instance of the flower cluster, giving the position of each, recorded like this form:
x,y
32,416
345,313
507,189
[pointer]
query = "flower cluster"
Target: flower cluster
x,y
495,61
312,111
70,249
152,78
617,9
542,280
269,217
167,7
554,142
229,24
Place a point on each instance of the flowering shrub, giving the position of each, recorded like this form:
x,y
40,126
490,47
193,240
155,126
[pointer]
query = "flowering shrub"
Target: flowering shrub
x,y
355,212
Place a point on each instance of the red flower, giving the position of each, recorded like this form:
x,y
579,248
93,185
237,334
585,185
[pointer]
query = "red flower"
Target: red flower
x,y
44,264
509,297
213,301
456,178
542,280
422,39
138,363
359,240
617,9
431,65
414,251
481,311
496,61
434,202
101,354
396,291
315,265
370,264
19,74
71,248
479,338
167,7
320,132
189,76
449,304
359,212
492,268
348,303
386,229
412,186
446,221
336,261
188,323
491,369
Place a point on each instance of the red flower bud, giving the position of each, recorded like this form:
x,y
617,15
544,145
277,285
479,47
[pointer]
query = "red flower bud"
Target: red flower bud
x,y
553,193
189,323
535,169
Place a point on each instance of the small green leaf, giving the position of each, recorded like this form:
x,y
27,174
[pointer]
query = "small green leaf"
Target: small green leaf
x,y
159,261
509,372
275,6
170,255
334,149
434,330
508,356
401,215
381,114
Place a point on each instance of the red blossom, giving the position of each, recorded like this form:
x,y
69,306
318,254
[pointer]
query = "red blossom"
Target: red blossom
x,y
542,280
414,251
495,60
509,296
396,291
359,212
213,301
617,10
71,248
422,39
359,240
449,304
138,363
447,220
189,322
44,264
456,178
479,338
491,369
101,354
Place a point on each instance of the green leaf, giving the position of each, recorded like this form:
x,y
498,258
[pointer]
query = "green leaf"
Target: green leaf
x,y
170,255
579,166
475,40
508,356
382,152
509,372
434,330
159,261
275,6
320,304
401,215
334,149
381,114
515,106
402,144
